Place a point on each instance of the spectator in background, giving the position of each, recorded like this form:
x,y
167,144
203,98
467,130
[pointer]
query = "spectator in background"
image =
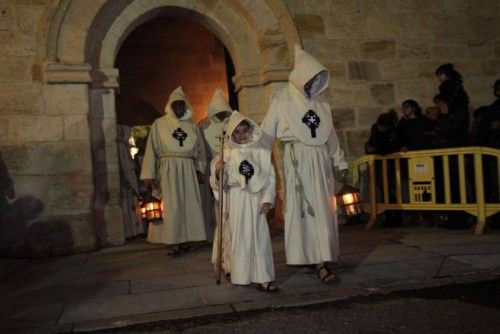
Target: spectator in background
x,y
453,92
479,127
492,119
449,130
410,128
383,134
432,114
488,134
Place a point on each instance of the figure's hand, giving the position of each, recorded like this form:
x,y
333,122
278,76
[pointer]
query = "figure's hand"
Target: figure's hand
x,y
344,173
264,208
219,165
200,177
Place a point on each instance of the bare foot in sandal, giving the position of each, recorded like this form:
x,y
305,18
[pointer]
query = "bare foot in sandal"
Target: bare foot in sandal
x,y
324,274
174,250
267,287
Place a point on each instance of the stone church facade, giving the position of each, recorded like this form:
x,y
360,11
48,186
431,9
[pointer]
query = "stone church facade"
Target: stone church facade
x,y
58,82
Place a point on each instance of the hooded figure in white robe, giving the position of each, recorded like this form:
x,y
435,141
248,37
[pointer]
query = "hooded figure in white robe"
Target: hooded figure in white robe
x,y
212,127
300,116
175,153
249,193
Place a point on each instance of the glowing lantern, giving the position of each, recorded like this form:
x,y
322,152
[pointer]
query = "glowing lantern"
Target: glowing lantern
x,y
151,210
349,200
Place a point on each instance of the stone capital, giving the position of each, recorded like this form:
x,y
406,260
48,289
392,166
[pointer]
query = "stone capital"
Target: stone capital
x,y
251,78
58,73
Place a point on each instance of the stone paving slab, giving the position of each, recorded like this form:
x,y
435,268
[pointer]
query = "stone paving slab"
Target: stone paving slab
x,y
8,266
152,317
168,282
438,266
228,293
65,293
480,261
463,249
394,253
384,272
130,273
102,308
47,314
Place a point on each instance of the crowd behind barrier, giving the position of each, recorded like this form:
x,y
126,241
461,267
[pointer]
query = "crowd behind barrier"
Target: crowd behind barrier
x,y
440,159
442,180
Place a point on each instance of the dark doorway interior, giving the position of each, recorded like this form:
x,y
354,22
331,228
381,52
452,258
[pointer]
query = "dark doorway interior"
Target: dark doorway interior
x,y
163,54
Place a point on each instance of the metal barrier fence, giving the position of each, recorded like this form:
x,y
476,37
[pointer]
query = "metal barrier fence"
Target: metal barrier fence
x,y
453,179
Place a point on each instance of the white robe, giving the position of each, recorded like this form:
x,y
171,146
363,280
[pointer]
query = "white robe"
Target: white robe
x,y
311,230
247,251
174,167
212,129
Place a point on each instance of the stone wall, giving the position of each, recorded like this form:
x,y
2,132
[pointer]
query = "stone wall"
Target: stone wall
x,y
45,147
382,52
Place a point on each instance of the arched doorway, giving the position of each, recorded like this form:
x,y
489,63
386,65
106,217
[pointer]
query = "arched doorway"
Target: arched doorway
x,y
259,36
157,57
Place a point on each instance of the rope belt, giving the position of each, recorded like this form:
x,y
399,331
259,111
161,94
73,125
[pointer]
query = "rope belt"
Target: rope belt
x,y
299,187
175,155
160,157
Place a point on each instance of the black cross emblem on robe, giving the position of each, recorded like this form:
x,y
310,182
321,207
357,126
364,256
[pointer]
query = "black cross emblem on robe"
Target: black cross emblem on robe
x,y
246,169
311,120
180,135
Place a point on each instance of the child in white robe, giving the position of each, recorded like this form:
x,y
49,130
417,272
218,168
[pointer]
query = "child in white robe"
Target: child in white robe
x,y
249,189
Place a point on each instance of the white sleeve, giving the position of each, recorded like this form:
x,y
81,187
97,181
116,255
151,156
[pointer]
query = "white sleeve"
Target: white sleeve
x,y
335,151
269,189
270,123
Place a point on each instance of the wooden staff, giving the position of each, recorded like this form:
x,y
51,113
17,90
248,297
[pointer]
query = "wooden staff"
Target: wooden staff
x,y
218,271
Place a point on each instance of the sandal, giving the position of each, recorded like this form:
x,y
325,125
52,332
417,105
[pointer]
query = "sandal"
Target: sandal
x,y
186,248
327,277
174,251
267,287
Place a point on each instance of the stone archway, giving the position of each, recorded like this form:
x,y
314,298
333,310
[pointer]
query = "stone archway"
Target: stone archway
x,y
83,41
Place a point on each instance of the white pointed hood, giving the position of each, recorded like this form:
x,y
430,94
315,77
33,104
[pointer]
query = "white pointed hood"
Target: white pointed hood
x,y
212,127
218,103
307,67
178,95
252,157
308,117
235,119
180,133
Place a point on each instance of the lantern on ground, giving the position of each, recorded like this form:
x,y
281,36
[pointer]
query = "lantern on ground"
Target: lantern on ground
x,y
151,210
349,200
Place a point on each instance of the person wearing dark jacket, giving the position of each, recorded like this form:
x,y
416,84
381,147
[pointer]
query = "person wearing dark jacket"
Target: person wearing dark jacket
x,y
449,130
452,90
383,134
491,121
410,129
432,114
488,134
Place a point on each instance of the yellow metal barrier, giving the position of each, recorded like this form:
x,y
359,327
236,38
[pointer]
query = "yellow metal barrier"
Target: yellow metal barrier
x,y
435,180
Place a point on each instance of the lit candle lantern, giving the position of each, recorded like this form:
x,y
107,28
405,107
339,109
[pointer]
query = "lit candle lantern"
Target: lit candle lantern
x,y
151,210
349,200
